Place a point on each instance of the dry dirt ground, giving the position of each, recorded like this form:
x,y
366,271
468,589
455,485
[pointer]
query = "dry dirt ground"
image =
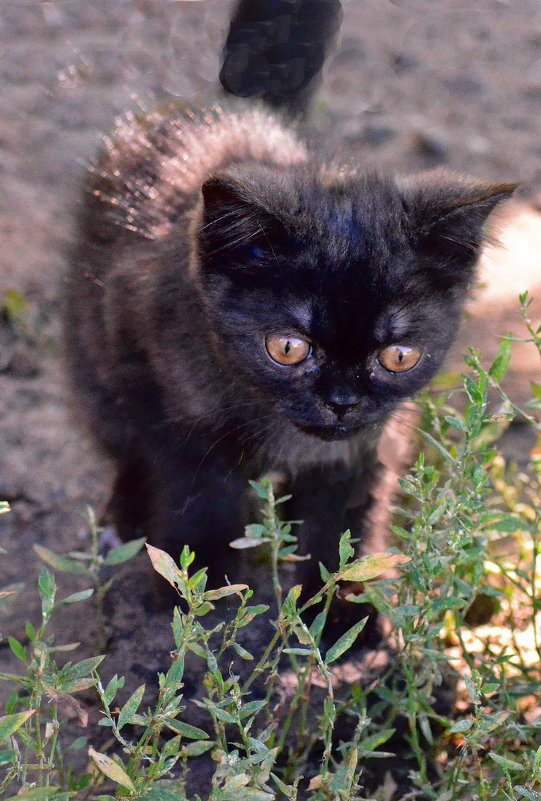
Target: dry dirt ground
x,y
414,84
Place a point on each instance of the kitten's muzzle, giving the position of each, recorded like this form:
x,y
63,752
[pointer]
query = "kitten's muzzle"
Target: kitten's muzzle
x,y
342,401
332,433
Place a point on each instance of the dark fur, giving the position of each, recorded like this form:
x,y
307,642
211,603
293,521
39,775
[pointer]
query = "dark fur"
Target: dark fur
x,y
275,50
198,237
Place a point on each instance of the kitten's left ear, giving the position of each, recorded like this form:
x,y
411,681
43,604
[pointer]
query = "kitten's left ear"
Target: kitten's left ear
x,y
448,214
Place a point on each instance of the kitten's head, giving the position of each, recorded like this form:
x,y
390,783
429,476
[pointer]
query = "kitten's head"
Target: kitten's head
x,y
332,296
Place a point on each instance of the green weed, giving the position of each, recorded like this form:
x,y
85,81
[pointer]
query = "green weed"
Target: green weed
x,y
463,601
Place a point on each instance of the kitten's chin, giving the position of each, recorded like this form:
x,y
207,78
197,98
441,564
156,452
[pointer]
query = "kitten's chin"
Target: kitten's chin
x,y
334,433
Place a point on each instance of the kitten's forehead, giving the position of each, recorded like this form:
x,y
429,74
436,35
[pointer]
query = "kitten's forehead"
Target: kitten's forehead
x,y
394,322
301,312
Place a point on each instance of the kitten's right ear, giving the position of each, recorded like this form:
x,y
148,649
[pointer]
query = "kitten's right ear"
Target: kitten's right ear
x,y
221,196
234,220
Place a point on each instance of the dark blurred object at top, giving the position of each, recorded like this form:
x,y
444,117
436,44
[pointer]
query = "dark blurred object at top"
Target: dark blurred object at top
x,y
275,49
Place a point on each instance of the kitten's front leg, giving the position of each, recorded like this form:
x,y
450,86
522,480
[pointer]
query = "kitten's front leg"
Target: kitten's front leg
x,y
201,502
319,500
329,502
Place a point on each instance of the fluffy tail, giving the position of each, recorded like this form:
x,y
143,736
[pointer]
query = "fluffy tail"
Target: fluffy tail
x,y
275,50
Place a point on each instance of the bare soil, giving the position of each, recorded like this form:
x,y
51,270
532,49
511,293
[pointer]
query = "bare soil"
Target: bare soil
x,y
413,85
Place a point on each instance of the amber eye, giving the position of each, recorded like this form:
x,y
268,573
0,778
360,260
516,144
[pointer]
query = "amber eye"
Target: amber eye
x,y
398,358
287,350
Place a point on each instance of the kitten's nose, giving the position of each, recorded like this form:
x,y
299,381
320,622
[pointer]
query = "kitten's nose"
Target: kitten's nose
x,y
343,401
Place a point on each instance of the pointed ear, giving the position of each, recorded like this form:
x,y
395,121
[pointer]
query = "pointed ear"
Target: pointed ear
x,y
235,222
447,214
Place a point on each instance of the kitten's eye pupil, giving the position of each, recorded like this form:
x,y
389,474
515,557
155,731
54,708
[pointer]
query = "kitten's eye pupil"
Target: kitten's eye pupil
x,y
399,358
287,350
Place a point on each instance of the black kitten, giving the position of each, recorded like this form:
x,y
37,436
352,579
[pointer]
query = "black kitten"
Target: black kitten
x,y
235,307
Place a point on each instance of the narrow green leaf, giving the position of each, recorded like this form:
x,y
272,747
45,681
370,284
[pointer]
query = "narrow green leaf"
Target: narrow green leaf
x,y
345,641
112,688
242,652
289,791
250,613
82,669
164,565
124,552
507,764
222,592
78,596
290,603
303,634
247,542
284,499
198,748
203,609
197,578
424,725
251,708
317,624
141,720
175,674
221,714
324,573
345,550
256,530
18,649
30,631
111,769
12,703
39,794
444,452
262,490
10,723
178,626
130,707
77,685
375,740
470,387
454,422
372,566
186,557
77,744
61,563
500,365
191,732
47,589
196,648
472,690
